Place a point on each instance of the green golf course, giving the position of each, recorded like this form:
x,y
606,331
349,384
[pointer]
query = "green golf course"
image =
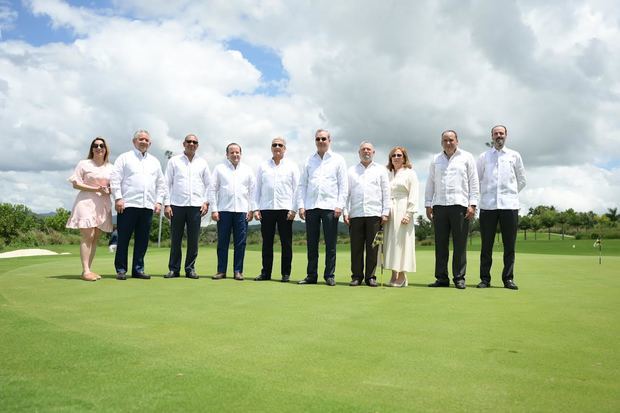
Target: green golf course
x,y
164,345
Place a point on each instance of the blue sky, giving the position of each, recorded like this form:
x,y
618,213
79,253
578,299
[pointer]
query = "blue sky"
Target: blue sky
x,y
38,30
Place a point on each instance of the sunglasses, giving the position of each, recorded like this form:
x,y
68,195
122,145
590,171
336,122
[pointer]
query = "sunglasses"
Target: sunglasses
x,y
397,155
322,139
192,142
277,145
98,145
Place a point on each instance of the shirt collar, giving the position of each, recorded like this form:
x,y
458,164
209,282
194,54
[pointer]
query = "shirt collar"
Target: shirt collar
x,y
370,165
456,152
186,158
231,166
273,163
327,154
139,154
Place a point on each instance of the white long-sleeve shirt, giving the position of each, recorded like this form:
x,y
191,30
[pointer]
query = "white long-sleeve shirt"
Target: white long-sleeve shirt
x,y
502,177
138,180
232,189
323,183
276,185
452,181
187,181
369,191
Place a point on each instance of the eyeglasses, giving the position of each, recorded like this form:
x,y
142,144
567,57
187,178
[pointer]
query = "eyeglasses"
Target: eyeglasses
x,y
397,155
192,142
98,145
322,139
277,145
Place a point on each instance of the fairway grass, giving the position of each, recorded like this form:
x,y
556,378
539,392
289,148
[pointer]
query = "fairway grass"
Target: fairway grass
x,y
203,345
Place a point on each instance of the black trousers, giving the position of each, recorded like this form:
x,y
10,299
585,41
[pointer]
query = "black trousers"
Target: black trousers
x,y
133,221
362,231
314,219
273,219
182,217
508,221
450,220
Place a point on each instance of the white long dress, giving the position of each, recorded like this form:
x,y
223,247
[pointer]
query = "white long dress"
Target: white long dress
x,y
399,238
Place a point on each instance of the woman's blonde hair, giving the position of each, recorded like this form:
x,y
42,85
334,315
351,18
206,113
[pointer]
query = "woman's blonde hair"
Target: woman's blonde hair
x,y
107,149
406,161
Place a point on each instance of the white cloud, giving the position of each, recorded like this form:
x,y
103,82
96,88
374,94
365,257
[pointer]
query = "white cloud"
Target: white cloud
x,y
392,72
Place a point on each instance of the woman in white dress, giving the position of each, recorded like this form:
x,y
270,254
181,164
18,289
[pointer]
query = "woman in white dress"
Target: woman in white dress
x,y
399,230
92,211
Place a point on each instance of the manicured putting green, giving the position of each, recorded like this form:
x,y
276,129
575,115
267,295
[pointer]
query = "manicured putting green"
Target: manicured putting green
x,y
203,345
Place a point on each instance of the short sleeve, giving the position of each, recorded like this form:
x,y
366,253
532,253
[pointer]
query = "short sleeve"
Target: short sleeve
x,y
78,174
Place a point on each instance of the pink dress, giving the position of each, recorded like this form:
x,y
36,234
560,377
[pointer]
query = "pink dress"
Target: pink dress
x,y
91,209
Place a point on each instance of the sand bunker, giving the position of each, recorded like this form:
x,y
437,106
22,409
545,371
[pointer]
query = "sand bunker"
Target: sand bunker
x,y
30,252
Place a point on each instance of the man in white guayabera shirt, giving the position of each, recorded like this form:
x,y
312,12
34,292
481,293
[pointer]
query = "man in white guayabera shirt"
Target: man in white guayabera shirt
x,y
231,197
322,197
188,179
368,207
276,189
502,177
138,187
450,198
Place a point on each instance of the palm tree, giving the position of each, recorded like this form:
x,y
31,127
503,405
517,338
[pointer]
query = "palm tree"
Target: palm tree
x,y
612,214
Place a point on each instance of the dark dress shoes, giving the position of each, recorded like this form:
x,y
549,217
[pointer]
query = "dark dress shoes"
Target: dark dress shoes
x,y
141,276
192,274
371,282
238,276
460,284
172,274
510,285
483,284
438,283
121,276
262,277
306,280
285,278
330,281
219,276
355,282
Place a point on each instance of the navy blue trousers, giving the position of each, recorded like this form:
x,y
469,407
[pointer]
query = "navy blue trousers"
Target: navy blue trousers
x,y
133,221
236,223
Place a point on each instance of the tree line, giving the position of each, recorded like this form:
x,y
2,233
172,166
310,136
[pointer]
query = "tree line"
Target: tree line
x,y
20,226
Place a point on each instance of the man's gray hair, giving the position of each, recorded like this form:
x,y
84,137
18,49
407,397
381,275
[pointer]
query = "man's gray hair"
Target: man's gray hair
x,y
323,130
279,138
362,143
140,132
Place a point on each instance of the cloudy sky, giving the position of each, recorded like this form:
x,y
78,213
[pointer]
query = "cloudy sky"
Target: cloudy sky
x,y
393,72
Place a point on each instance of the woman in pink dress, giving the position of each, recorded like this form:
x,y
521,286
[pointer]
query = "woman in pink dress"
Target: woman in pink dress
x,y
92,211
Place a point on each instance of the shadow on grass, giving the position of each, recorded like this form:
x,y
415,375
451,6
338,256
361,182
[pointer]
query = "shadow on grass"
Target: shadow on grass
x,y
75,277
78,277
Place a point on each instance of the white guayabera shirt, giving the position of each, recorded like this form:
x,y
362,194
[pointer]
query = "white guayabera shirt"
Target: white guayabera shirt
x,y
232,189
138,180
502,177
187,181
323,182
452,181
276,185
369,191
